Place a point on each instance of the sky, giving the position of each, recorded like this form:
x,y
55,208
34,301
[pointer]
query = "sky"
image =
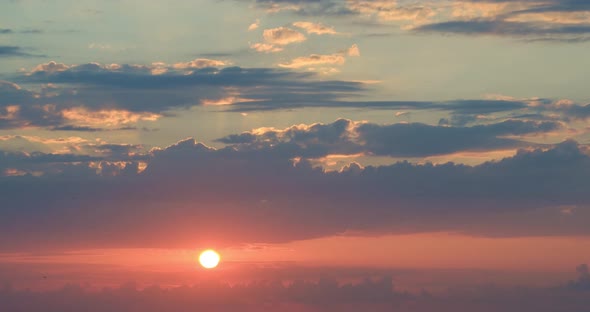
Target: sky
x,y
339,155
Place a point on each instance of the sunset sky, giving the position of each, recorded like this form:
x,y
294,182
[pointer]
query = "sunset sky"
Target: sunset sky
x,y
340,155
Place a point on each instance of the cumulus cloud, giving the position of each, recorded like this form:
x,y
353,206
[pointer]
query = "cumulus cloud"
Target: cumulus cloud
x,y
200,63
345,137
51,67
172,196
38,156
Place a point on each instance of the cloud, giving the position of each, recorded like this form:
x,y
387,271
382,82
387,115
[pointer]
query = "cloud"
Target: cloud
x,y
353,51
282,36
371,293
50,68
305,8
583,281
60,92
315,28
531,20
314,60
276,38
200,63
14,51
567,21
390,10
345,137
7,31
522,195
504,28
458,106
254,25
70,96
265,47
106,118
88,129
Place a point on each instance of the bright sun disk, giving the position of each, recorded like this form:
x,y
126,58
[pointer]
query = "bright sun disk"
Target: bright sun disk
x,y
209,259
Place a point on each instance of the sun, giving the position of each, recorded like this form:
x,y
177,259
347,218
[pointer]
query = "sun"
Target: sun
x,y
209,259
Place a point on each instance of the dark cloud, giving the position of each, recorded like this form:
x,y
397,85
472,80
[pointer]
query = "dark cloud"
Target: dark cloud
x,y
82,157
537,21
89,129
506,28
345,137
31,31
137,88
141,77
14,51
265,197
583,281
126,94
24,31
457,106
307,7
418,140
526,19
326,294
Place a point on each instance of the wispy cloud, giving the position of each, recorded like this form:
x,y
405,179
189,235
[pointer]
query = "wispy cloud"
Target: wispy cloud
x,y
15,51
315,28
276,38
321,60
551,20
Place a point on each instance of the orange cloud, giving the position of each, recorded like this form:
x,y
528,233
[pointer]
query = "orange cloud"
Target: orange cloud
x,y
50,67
315,28
322,59
282,36
254,25
391,10
200,63
113,117
265,47
276,38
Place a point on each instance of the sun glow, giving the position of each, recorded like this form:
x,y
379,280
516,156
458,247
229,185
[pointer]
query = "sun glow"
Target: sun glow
x,y
209,259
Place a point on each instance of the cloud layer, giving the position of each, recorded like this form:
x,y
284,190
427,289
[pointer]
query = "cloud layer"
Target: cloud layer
x,y
327,294
549,20
264,189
